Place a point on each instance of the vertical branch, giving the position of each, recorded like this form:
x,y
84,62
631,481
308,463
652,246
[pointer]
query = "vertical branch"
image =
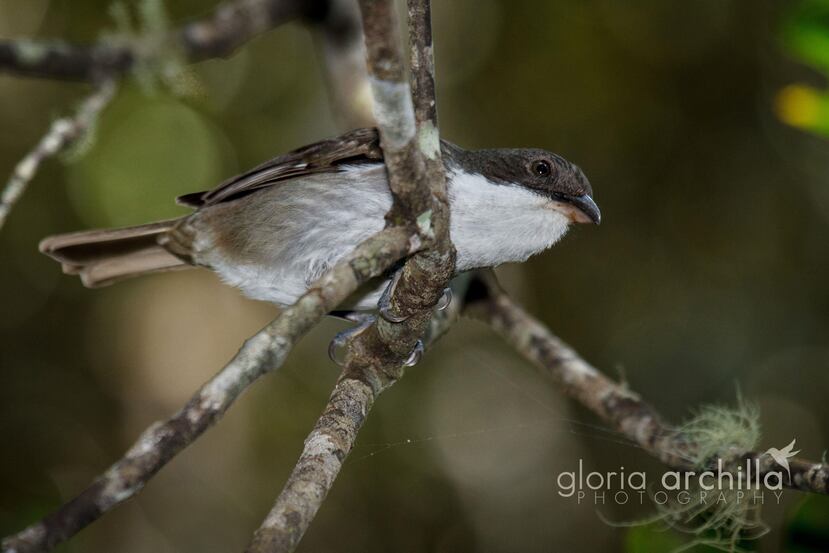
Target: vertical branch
x,y
427,272
376,358
394,113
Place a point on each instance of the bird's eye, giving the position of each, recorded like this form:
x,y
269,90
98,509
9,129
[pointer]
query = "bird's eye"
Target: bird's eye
x,y
541,168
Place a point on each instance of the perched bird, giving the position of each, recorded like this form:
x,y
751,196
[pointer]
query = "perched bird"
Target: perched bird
x,y
275,229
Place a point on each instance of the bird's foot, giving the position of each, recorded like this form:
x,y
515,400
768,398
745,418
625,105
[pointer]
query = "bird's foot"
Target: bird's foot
x,y
384,304
363,320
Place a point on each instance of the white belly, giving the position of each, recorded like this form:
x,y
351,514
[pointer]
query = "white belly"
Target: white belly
x,y
284,288
298,229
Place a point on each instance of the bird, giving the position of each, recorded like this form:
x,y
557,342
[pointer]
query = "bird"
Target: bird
x,y
275,229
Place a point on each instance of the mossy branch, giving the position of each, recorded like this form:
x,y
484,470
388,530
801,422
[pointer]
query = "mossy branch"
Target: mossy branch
x,y
620,407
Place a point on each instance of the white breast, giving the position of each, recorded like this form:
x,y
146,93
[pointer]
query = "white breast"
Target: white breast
x,y
499,223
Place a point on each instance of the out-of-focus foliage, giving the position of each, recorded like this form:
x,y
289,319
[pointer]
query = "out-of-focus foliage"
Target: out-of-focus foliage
x,y
807,530
805,107
806,33
653,539
806,37
710,267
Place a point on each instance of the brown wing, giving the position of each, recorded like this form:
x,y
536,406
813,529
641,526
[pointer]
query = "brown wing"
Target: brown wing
x,y
357,146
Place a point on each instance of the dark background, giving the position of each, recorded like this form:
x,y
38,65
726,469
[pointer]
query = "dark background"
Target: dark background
x,y
709,273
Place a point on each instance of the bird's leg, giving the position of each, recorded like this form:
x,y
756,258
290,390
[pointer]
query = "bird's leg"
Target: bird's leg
x,y
363,320
349,315
384,304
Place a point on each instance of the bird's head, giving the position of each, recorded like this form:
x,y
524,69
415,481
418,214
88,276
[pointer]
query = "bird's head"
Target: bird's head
x,y
509,204
561,182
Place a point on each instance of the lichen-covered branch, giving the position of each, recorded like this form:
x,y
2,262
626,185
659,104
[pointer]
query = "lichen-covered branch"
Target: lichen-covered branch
x,y
56,59
230,25
612,402
426,273
261,354
63,133
407,119
394,114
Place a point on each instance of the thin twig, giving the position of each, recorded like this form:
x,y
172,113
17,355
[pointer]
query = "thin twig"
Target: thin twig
x,y
230,25
615,404
63,133
260,354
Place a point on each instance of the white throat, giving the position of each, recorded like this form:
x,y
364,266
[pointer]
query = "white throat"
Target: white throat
x,y
499,223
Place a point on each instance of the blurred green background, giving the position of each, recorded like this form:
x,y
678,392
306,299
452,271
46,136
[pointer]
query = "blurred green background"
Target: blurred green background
x,y
699,125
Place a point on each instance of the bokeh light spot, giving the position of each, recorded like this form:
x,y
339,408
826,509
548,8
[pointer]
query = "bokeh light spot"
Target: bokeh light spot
x,y
798,105
146,153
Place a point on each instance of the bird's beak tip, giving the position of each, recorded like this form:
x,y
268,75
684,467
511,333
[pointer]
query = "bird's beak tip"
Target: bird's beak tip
x,y
579,209
588,207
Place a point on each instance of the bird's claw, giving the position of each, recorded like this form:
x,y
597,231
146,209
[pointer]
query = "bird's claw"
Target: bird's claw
x,y
385,312
364,321
384,305
445,300
415,355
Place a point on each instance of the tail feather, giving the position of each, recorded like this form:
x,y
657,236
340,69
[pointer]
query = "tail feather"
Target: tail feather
x,y
102,257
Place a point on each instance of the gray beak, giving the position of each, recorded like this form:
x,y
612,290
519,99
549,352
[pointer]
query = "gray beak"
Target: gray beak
x,y
588,207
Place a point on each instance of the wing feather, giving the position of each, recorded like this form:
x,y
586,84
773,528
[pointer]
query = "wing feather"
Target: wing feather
x,y
357,146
